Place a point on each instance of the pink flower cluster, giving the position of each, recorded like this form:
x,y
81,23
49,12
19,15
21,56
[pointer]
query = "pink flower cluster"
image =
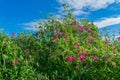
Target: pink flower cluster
x,y
75,23
81,28
56,35
65,38
70,58
81,57
118,38
95,58
73,59
89,42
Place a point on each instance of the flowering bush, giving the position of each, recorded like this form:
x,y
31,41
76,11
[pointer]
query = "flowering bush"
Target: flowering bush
x,y
74,49
62,49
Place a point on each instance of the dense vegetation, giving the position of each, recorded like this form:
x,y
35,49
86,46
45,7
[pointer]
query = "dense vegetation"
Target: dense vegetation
x,y
62,49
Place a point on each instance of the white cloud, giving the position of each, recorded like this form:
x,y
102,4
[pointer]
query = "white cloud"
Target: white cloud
x,y
40,23
77,12
108,22
80,6
118,0
31,25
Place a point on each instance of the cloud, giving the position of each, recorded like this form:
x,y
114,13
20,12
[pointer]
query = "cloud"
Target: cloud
x,y
108,22
77,12
83,6
35,25
31,26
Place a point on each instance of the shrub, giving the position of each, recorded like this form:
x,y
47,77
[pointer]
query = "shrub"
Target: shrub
x,y
74,49
62,49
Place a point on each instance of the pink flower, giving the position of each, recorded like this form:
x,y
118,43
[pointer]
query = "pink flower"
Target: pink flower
x,y
89,42
95,36
82,58
15,62
84,52
65,38
95,58
90,34
118,38
81,28
75,23
73,59
88,29
76,45
69,58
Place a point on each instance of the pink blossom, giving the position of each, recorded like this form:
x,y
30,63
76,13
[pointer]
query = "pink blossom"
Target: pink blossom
x,y
75,23
69,58
118,38
76,45
95,36
65,38
84,52
15,62
89,42
81,28
90,34
82,58
88,29
95,58
73,59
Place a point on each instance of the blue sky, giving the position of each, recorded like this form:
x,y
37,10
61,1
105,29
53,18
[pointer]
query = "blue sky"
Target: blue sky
x,y
19,15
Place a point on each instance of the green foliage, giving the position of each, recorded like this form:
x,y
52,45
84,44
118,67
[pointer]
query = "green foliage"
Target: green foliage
x,y
62,49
